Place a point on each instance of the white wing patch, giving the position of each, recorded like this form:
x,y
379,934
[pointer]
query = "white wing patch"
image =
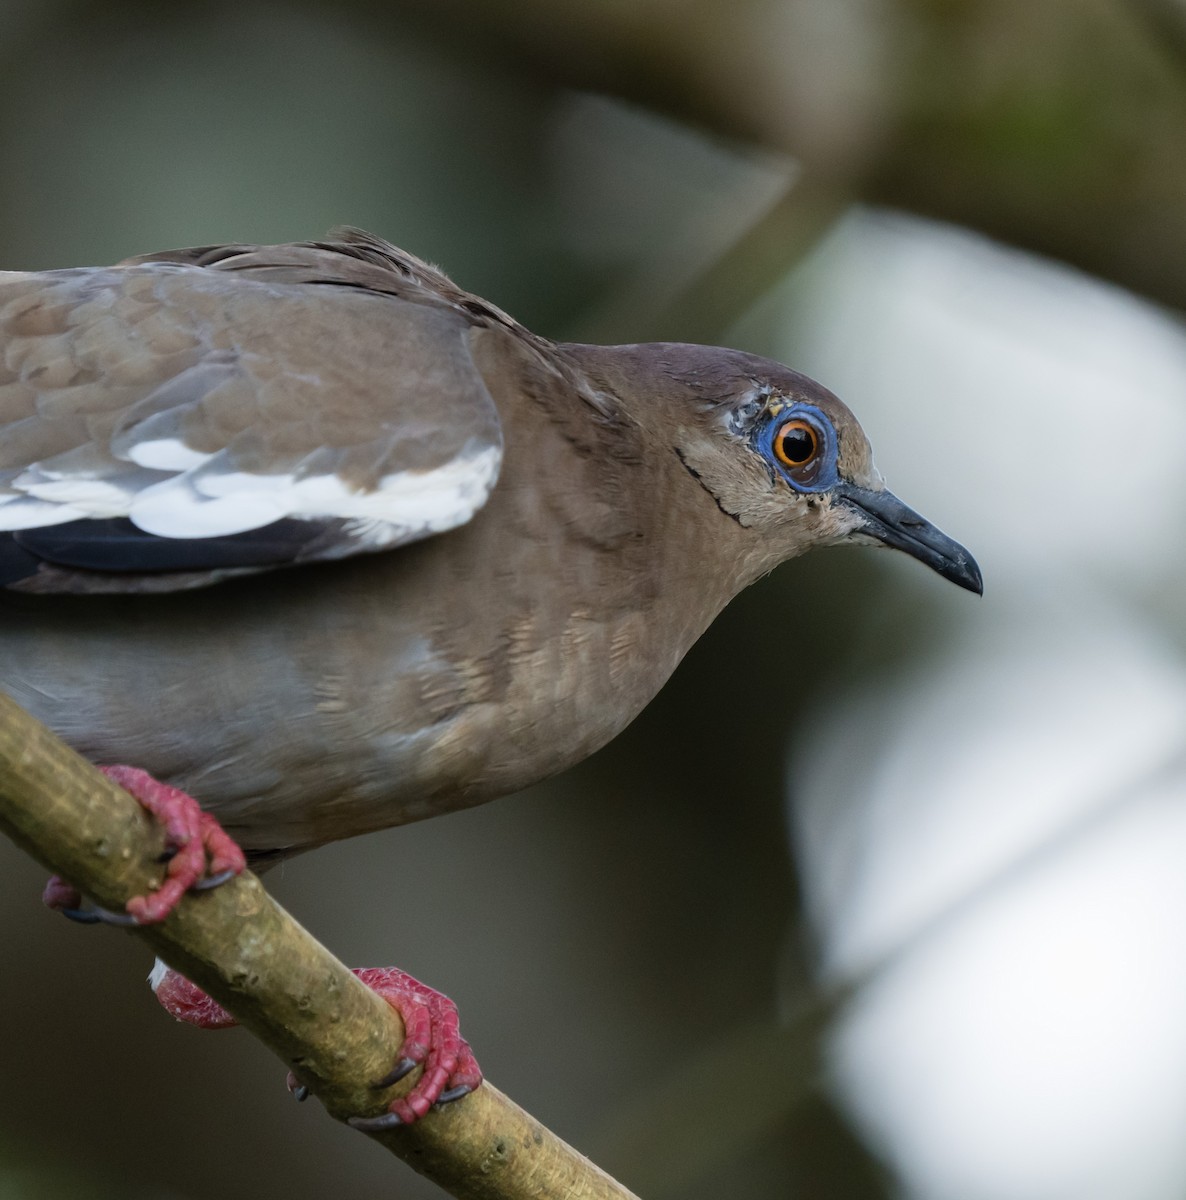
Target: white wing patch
x,y
204,501
24,512
199,404
165,454
53,497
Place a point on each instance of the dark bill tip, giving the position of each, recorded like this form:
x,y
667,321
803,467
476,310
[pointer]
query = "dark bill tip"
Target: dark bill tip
x,y
890,521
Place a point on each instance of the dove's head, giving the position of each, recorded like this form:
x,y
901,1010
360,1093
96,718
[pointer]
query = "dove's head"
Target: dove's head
x,y
779,454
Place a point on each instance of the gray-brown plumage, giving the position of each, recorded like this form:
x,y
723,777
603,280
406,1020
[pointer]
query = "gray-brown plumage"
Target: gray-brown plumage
x,y
503,546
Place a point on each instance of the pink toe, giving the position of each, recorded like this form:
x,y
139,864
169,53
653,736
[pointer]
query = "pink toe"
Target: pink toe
x,y
59,894
432,1037
186,1001
201,846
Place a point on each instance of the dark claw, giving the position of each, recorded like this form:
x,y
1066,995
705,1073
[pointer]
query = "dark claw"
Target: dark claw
x,y
81,916
104,916
374,1124
300,1093
98,916
454,1093
213,881
396,1073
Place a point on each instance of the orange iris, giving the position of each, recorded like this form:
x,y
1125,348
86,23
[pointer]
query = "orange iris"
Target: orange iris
x,y
796,444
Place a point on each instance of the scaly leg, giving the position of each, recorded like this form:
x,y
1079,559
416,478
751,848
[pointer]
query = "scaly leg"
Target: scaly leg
x,y
432,1038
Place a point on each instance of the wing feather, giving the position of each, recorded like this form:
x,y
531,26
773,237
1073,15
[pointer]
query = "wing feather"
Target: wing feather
x,y
197,399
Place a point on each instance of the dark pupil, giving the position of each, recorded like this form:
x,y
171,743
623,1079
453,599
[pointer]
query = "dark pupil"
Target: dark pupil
x,y
798,445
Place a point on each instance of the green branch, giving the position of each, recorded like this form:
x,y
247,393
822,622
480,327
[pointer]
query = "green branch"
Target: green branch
x,y
244,950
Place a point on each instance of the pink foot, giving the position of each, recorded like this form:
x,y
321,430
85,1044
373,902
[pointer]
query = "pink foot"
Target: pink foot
x,y
59,894
432,1038
202,851
186,1001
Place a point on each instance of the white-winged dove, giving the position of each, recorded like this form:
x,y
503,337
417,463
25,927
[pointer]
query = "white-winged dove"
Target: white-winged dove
x,y
452,557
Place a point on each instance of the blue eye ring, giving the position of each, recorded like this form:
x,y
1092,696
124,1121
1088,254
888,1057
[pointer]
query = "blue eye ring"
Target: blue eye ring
x,y
807,463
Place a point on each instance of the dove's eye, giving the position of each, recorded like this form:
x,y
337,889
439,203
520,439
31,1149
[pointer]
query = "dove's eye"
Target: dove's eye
x,y
796,444
800,444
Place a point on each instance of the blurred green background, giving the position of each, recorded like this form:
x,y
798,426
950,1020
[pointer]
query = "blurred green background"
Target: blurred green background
x,y
880,897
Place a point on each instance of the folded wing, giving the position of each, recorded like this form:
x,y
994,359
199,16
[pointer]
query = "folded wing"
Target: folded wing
x,y
164,424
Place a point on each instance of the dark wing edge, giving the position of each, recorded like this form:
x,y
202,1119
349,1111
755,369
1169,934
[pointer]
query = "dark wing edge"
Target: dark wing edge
x,y
111,555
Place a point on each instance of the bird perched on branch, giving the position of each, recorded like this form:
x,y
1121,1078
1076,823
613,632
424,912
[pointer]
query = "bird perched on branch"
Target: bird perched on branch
x,y
452,557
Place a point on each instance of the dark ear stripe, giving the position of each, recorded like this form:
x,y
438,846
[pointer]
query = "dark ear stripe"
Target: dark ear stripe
x,y
115,545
